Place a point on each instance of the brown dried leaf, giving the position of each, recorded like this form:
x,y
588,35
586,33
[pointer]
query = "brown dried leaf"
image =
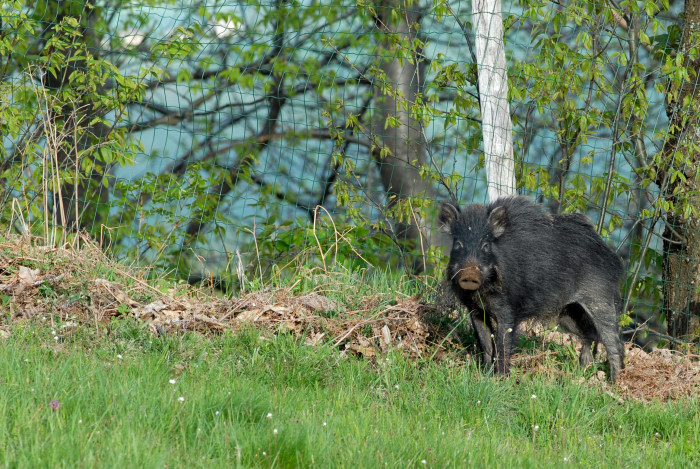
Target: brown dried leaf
x,y
314,338
292,326
276,309
209,321
317,303
150,309
169,314
363,350
385,338
115,291
249,315
28,276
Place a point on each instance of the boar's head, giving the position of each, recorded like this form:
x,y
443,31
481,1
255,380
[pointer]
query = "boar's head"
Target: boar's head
x,y
475,233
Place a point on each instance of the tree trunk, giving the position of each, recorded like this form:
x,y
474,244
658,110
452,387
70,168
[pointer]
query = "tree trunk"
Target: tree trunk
x,y
77,126
496,126
681,274
398,169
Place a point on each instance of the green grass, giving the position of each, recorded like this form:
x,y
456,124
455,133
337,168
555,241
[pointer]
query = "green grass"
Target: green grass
x,y
326,410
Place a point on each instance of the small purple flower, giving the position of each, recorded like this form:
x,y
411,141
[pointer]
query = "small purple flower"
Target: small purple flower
x,y
54,404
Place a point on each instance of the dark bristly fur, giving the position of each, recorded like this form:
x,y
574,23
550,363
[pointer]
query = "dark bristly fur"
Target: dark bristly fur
x,y
511,261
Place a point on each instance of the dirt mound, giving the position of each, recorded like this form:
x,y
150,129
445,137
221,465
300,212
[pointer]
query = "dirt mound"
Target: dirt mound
x,y
405,326
39,283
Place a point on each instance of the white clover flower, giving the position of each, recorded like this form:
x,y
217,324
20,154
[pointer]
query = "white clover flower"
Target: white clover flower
x,y
172,381
181,398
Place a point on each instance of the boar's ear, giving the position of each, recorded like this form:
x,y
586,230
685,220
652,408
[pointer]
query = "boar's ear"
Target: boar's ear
x,y
448,216
498,221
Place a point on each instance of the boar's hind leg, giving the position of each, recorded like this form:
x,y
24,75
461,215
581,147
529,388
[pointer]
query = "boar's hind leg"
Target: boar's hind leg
x,y
604,316
576,320
484,333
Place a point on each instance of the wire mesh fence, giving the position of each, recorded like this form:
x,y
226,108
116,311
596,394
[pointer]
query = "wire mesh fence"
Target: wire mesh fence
x,y
225,141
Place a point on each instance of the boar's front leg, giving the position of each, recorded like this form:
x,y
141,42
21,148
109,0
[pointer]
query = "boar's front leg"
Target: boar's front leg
x,y
484,330
505,339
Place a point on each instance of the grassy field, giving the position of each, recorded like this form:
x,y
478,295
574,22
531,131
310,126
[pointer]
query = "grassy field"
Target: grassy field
x,y
127,398
99,368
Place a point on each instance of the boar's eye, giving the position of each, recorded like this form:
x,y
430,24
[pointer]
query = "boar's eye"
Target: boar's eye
x,y
486,248
458,244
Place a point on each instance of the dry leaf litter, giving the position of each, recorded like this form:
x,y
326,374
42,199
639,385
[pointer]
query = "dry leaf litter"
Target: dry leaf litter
x,y
378,325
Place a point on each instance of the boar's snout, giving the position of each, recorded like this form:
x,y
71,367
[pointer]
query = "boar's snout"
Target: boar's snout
x,y
469,278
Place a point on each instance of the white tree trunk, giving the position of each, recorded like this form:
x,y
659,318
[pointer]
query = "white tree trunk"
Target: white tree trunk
x,y
497,128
